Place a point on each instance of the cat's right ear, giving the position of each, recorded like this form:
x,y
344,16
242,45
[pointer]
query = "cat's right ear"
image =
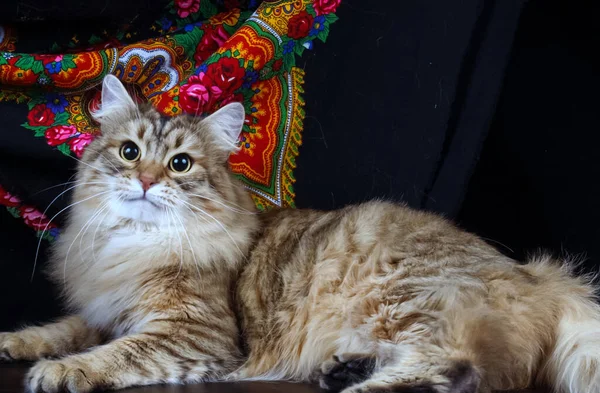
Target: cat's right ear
x,y
116,105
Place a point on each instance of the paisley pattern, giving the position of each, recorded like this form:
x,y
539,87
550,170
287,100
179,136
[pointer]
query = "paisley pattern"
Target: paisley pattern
x,y
201,57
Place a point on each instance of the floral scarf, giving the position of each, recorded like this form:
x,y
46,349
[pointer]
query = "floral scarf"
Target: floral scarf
x,y
201,55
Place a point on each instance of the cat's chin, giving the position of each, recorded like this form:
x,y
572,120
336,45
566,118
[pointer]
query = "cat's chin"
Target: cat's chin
x,y
139,210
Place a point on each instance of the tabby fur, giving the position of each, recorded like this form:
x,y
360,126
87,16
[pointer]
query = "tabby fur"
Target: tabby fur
x,y
173,277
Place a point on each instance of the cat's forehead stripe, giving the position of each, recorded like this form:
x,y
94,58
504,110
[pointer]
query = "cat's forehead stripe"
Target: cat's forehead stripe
x,y
179,140
142,128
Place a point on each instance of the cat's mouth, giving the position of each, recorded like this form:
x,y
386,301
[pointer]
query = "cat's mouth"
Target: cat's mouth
x,y
143,200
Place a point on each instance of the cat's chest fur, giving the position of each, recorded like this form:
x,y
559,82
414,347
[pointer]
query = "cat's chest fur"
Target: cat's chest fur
x,y
107,285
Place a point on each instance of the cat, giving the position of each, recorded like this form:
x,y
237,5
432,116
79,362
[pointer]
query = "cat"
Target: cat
x,y
172,276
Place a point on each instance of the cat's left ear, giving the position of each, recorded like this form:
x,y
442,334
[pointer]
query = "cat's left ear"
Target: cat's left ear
x,y
226,126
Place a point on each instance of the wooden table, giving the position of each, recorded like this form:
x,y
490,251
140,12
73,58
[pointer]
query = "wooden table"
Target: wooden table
x,y
13,374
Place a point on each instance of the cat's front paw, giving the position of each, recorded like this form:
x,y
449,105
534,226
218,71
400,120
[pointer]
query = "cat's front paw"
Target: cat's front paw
x,y
54,376
345,370
14,346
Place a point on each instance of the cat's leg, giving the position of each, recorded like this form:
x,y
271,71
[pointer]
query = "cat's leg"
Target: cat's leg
x,y
414,372
68,335
183,354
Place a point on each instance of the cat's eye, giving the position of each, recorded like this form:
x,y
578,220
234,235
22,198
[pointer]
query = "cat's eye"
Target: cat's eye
x,y
180,163
130,152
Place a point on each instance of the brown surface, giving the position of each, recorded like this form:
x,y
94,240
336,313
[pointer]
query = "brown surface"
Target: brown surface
x,y
12,375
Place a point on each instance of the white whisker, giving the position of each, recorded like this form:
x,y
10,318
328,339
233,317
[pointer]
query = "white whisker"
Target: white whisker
x,y
170,241
98,226
189,242
107,160
105,202
180,244
44,231
54,200
37,252
91,166
77,184
217,222
233,209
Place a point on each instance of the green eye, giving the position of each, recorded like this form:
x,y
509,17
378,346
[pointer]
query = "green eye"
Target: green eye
x,y
180,163
130,152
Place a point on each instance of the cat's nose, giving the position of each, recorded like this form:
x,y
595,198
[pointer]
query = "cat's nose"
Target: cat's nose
x,y
147,181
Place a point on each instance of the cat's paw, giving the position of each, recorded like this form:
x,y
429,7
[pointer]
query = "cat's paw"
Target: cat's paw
x,y
15,346
346,370
65,375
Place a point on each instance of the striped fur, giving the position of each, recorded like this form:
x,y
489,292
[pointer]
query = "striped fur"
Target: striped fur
x,y
436,308
370,298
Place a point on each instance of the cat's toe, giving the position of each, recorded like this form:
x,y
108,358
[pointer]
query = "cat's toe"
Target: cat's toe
x,y
13,347
345,370
54,376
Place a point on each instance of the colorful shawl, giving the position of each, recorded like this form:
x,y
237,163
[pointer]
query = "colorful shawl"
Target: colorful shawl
x,y
201,55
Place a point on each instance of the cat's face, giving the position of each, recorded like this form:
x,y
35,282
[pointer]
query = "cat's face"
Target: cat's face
x,y
146,168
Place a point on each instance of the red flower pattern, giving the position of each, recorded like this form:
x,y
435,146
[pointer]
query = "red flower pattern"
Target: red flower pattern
x,y
277,65
186,7
79,143
197,96
226,74
212,40
40,115
300,25
35,219
323,7
8,200
58,135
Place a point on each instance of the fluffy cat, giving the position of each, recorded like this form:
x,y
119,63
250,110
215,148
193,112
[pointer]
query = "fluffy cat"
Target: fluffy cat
x,y
172,277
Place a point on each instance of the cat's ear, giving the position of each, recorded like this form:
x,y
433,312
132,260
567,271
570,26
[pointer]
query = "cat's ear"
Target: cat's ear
x,y
116,103
226,126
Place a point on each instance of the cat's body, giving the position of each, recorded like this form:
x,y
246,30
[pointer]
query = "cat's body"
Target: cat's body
x,y
405,289
170,266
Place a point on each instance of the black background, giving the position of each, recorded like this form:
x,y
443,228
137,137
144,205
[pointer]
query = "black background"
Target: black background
x,y
445,105
537,184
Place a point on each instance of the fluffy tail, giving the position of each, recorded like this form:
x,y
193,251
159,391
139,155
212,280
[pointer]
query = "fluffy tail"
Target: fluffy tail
x,y
574,362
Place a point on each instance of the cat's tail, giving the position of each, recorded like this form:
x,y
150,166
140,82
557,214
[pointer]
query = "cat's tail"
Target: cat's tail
x,y
573,364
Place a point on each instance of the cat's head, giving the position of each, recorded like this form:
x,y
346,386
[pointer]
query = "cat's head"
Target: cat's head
x,y
150,169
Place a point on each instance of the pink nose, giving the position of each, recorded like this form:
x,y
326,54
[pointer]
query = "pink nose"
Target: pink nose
x,y
147,181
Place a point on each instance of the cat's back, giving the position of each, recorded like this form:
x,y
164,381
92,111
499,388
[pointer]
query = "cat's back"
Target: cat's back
x,y
374,237
314,236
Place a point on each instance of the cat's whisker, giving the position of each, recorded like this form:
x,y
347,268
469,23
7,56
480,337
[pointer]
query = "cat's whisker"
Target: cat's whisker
x,y
170,237
171,247
91,166
78,234
105,204
233,204
226,206
195,216
37,251
180,245
107,160
189,241
218,223
98,226
46,227
77,183
54,200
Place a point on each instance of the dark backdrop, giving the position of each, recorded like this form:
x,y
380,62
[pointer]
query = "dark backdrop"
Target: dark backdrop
x,y
445,105
537,184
